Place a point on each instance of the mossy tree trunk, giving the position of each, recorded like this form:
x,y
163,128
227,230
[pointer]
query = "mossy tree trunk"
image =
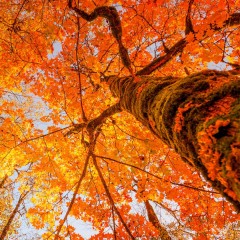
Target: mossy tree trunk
x,y
198,116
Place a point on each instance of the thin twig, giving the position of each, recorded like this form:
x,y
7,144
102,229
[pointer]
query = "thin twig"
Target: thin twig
x,y
110,197
162,179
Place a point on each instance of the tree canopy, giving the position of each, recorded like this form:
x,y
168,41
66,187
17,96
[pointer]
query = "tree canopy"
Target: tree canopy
x,y
75,146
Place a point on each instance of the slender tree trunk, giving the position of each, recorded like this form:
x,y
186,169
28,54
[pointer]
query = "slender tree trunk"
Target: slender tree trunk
x,y
198,116
154,220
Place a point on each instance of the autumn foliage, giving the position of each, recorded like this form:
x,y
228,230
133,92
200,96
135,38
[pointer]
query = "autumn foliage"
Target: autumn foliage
x,y
71,155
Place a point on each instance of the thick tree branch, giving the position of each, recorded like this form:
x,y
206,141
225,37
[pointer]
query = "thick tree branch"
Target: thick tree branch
x,y
233,20
189,26
93,124
152,217
76,128
111,14
96,122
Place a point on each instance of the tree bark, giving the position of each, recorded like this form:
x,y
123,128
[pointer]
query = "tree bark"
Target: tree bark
x,y
198,116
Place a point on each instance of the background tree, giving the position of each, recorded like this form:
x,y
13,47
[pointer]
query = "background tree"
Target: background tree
x,y
6,207
99,108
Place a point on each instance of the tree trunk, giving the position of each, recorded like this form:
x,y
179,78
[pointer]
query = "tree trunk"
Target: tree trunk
x,y
198,116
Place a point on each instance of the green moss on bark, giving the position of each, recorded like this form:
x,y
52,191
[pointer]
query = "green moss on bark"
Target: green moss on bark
x,y
198,116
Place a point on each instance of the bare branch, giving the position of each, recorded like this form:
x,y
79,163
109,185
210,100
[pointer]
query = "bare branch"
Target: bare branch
x,y
79,75
114,224
170,211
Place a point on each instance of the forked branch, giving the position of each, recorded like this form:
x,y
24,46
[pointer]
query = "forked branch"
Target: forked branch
x,y
83,174
111,14
159,62
96,122
59,228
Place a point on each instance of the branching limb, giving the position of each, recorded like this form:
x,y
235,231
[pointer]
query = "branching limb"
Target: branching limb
x,y
74,197
111,14
170,211
96,122
159,62
76,128
93,124
93,138
90,127
91,146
